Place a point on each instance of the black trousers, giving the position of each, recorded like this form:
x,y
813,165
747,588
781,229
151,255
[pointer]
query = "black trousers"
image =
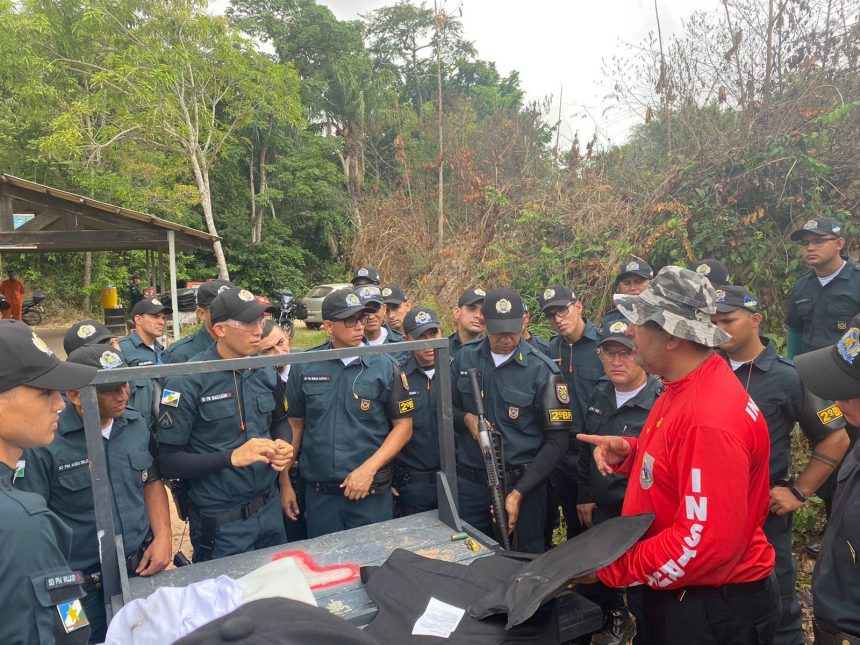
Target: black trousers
x,y
739,614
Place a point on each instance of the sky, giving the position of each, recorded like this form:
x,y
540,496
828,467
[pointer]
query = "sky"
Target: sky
x,y
558,47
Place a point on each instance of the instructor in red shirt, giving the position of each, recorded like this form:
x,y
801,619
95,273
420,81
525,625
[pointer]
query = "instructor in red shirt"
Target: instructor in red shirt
x,y
701,465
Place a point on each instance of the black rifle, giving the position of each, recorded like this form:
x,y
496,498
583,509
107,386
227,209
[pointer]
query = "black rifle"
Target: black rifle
x,y
495,481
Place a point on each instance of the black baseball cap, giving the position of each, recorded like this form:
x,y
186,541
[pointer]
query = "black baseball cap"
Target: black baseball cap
x,y
27,360
86,332
393,295
503,312
818,226
366,273
472,297
713,270
732,297
615,331
341,304
638,267
278,620
556,295
369,293
834,372
102,358
207,291
153,306
419,320
237,304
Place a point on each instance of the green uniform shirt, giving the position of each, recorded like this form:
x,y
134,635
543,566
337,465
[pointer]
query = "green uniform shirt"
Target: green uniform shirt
x,y
516,395
35,575
205,412
187,348
581,368
60,473
422,451
823,314
606,418
143,394
347,411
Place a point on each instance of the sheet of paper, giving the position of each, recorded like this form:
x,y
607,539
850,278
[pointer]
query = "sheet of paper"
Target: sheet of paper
x,y
439,619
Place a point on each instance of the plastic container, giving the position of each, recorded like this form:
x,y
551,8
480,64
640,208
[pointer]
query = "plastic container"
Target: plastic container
x,y
110,297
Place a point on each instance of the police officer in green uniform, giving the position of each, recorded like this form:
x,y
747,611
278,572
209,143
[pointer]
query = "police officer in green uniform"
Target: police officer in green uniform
x,y
60,473
350,418
184,349
633,279
715,271
775,387
416,465
619,406
823,301
214,433
834,373
574,350
41,594
141,348
535,341
365,275
88,332
468,319
397,305
528,404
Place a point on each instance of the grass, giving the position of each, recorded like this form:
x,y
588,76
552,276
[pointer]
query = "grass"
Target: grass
x,y
305,337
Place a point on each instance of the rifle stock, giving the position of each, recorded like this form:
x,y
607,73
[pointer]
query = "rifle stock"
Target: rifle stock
x,y
495,481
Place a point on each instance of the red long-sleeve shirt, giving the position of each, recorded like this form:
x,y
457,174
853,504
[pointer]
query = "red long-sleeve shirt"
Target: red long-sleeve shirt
x,y
701,465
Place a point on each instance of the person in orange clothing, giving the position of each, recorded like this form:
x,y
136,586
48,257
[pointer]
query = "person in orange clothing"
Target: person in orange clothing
x,y
13,290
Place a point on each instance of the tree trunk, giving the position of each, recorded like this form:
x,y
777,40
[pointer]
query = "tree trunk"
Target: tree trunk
x,y
201,176
768,67
264,183
418,94
254,239
440,232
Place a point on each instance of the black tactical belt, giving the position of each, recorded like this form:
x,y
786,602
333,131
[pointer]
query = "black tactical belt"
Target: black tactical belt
x,y
405,477
478,476
332,488
240,512
825,637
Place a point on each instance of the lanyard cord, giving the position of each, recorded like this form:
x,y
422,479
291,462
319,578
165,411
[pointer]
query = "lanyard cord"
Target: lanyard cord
x,y
749,373
239,402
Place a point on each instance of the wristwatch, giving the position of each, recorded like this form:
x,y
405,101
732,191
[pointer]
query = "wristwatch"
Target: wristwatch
x,y
785,483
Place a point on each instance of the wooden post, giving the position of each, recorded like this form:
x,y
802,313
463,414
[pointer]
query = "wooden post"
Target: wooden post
x,y
174,298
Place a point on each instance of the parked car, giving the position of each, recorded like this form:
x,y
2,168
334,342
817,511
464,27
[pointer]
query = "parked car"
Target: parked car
x,y
313,302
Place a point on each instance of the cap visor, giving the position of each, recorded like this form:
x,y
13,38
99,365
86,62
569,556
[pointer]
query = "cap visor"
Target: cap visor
x,y
392,301
796,236
346,313
723,308
473,300
420,329
822,374
504,326
64,376
562,302
624,340
254,311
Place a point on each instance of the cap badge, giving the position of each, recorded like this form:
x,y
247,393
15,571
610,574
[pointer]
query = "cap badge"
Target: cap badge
x,y
632,266
618,327
811,225
835,229
246,296
85,331
367,292
386,292
703,269
503,306
849,345
480,292
548,293
223,288
352,300
721,295
750,303
362,272
156,302
110,360
423,317
41,346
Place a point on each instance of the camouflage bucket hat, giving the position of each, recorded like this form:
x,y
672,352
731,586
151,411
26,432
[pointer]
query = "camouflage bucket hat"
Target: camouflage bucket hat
x,y
681,302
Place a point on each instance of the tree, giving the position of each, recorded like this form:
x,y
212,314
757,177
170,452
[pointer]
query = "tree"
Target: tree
x,y
184,81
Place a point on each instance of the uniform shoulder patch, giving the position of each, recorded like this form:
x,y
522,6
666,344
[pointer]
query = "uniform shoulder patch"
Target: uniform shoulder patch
x,y
72,615
171,398
829,414
406,405
562,393
562,414
404,381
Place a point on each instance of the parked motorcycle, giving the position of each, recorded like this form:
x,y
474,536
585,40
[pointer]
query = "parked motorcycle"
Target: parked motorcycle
x,y
31,312
289,309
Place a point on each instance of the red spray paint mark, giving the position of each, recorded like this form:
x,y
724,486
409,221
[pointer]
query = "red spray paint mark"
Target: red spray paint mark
x,y
320,576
